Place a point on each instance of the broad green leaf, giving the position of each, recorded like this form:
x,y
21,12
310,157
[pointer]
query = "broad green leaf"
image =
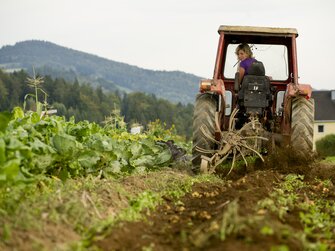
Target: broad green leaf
x,y
35,117
26,153
88,159
18,113
65,144
101,144
123,162
26,172
22,134
163,157
15,144
123,153
150,146
10,169
107,145
39,146
115,166
42,162
145,160
136,149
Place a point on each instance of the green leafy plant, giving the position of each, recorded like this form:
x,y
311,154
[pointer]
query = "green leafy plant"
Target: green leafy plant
x,y
32,146
284,197
231,221
160,131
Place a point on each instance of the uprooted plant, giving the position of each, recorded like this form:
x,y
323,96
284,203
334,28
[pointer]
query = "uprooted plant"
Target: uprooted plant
x,y
235,143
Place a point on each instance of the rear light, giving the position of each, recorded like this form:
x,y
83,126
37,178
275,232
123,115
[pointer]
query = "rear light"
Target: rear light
x,y
205,86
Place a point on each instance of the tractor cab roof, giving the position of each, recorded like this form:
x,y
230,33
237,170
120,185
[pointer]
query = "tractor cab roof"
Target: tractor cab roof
x,y
257,35
257,31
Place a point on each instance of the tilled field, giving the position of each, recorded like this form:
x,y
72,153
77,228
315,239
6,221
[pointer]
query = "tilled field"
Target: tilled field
x,y
265,209
283,204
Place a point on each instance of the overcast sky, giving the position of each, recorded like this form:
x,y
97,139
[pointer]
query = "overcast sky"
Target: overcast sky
x,y
172,34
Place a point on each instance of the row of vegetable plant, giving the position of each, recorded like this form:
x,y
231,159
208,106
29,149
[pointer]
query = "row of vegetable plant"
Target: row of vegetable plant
x,y
34,147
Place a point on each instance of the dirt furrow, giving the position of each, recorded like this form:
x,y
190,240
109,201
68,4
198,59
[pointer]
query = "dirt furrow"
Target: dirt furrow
x,y
195,222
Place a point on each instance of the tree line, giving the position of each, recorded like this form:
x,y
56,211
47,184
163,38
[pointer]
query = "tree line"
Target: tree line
x,y
84,102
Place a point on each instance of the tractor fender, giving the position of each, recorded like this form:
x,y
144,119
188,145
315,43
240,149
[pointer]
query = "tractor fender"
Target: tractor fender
x,y
212,85
294,90
215,86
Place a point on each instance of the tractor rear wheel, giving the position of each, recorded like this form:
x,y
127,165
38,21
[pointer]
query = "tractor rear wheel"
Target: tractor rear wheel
x,y
302,125
204,116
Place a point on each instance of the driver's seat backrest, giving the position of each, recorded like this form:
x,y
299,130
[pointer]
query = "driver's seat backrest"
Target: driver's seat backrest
x,y
256,76
257,69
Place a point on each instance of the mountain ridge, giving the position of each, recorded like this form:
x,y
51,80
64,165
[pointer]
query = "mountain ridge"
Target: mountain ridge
x,y
58,61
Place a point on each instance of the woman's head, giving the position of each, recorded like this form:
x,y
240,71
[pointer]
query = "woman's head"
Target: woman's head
x,y
243,51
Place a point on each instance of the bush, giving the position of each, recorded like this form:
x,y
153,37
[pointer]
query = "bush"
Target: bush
x,y
326,145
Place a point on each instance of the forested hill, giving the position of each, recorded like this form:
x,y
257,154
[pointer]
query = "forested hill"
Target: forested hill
x,y
83,102
57,61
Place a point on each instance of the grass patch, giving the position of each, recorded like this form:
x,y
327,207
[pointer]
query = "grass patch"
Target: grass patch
x,y
170,186
316,213
56,215
297,214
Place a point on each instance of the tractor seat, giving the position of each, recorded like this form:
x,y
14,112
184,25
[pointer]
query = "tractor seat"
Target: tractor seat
x,y
255,89
256,69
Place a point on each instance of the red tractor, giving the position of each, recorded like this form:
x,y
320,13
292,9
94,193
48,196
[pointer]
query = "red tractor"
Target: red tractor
x,y
233,118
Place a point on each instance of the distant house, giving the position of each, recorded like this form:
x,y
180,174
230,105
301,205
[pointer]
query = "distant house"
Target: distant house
x,y
324,118
136,128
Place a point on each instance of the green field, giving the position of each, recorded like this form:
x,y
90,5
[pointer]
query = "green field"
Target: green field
x,y
67,185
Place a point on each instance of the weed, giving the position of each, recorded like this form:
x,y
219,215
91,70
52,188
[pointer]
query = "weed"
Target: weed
x,y
329,159
267,230
318,220
6,232
280,248
151,247
284,198
231,221
144,201
316,214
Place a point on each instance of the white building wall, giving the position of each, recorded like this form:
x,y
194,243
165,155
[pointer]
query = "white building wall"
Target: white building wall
x,y
328,128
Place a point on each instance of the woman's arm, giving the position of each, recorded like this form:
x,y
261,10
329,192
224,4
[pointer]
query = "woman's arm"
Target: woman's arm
x,y
242,72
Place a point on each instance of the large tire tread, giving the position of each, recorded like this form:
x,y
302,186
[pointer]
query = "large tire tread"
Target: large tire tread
x,y
302,125
204,115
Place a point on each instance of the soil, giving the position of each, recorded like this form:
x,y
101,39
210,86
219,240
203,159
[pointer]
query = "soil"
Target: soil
x,y
194,222
197,220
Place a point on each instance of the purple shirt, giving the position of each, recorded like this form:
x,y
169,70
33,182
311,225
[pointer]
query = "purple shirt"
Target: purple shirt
x,y
245,64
